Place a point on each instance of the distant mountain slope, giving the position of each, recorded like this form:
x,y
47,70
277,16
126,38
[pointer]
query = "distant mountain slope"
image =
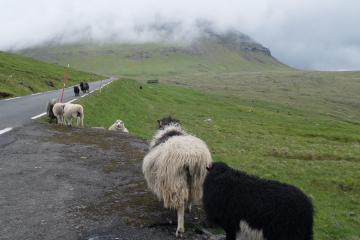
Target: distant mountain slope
x,y
211,52
21,75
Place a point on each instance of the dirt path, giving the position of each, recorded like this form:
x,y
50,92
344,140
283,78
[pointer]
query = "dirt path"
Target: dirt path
x,y
68,183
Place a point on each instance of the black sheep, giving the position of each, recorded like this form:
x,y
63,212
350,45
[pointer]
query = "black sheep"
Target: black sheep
x,y
76,91
278,211
86,86
82,87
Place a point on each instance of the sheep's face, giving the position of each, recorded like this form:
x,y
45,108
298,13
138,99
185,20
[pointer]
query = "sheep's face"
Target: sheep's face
x,y
167,121
119,124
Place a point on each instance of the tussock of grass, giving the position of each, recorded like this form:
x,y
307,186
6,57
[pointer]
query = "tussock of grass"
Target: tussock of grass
x,y
263,138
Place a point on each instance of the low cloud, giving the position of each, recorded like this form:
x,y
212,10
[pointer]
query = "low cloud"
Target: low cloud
x,y
305,34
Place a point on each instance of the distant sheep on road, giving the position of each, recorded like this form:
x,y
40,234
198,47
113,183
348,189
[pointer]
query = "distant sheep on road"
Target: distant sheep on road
x,y
84,86
175,167
261,209
76,91
118,126
74,111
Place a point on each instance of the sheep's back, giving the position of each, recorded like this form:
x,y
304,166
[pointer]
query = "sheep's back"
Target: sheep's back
x,y
167,168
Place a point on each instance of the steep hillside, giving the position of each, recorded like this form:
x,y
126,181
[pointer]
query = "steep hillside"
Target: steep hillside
x,y
22,75
212,52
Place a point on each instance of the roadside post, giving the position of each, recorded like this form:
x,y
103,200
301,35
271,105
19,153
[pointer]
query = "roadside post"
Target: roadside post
x,y
64,83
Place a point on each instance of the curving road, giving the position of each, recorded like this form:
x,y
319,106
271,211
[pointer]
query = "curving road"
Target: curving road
x,y
15,112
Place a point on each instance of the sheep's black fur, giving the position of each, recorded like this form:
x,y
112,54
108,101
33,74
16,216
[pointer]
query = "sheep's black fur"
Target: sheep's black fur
x,y
76,90
86,86
82,86
281,211
166,136
167,121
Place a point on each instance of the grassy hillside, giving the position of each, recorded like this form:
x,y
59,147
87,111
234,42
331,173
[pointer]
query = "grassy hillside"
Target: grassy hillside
x,y
307,148
157,59
215,66
22,75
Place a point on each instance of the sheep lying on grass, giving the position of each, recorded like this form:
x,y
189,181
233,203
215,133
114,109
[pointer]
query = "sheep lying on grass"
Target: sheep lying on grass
x,y
49,109
58,110
74,111
118,126
264,209
175,167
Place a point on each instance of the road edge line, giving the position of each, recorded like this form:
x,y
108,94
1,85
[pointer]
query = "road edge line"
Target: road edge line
x,y
5,130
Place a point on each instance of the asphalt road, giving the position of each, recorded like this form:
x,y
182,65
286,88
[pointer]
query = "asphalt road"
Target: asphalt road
x,y
15,112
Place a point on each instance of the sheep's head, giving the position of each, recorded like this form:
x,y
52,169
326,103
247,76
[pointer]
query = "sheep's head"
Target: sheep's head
x,y
119,124
167,121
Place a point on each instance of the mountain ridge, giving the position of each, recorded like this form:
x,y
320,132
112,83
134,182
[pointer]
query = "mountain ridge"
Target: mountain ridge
x,y
211,50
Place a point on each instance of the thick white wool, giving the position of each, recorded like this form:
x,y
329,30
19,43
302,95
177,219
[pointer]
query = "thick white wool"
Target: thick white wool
x,y
58,110
175,170
74,111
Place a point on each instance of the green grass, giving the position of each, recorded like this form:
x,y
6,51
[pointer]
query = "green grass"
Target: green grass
x,y
305,147
217,68
22,75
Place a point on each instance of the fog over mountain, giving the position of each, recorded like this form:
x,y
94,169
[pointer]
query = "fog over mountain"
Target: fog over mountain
x,y
305,34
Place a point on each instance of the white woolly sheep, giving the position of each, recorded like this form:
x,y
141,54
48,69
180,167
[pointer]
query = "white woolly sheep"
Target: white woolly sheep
x,y
175,167
118,126
58,110
74,111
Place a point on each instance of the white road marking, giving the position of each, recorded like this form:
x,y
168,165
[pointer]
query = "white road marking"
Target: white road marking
x,y
8,99
71,100
39,115
34,94
5,130
83,95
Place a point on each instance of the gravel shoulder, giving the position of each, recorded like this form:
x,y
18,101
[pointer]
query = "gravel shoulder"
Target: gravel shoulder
x,y
71,183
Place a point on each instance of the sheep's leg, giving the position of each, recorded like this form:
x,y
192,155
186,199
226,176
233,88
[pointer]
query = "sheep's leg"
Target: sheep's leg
x,y
82,120
180,227
58,119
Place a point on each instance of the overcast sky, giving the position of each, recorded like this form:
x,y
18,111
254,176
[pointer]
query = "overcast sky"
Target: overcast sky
x,y
307,34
